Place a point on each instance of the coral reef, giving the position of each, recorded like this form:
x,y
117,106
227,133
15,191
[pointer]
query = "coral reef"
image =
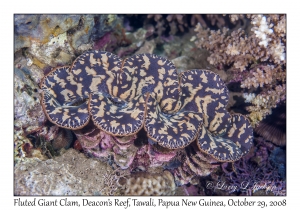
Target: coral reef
x,y
239,49
29,28
260,172
251,178
69,174
168,25
120,101
28,114
138,43
132,153
74,174
142,126
51,40
260,52
142,183
271,81
40,42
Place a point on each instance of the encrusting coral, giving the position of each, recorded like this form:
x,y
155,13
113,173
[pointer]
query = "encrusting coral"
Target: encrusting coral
x,y
73,173
143,91
142,183
69,174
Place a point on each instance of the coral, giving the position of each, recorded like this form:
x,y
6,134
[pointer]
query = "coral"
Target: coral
x,y
263,103
271,80
258,78
176,22
264,76
69,174
103,24
250,178
74,174
251,58
150,184
51,40
262,170
41,28
147,47
46,37
160,22
138,43
24,148
121,101
261,29
239,49
216,20
168,25
260,53
234,18
28,114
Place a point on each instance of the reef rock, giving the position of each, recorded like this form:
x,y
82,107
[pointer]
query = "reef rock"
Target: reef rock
x,y
69,174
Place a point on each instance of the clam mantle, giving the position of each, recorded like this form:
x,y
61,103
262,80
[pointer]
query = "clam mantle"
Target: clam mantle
x,y
144,91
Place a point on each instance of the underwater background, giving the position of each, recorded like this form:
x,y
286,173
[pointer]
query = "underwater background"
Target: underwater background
x,y
248,52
